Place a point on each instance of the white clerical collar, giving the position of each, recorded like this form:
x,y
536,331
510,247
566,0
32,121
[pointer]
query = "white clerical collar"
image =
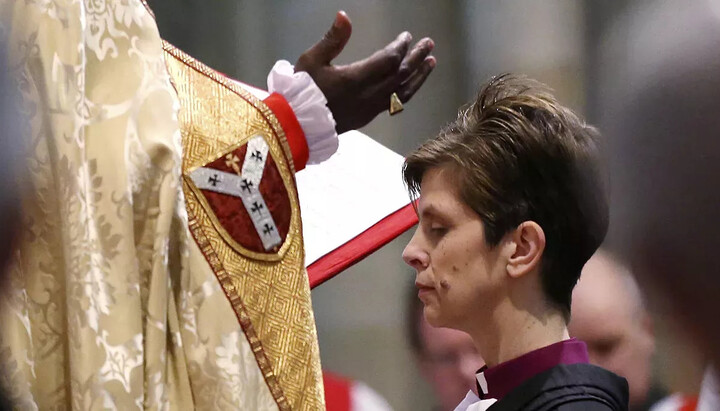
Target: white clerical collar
x,y
482,382
473,403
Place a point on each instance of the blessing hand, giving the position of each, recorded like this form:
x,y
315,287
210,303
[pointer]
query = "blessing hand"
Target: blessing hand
x,y
359,91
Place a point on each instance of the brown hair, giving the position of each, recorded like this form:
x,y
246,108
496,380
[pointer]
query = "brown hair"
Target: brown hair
x,y
519,156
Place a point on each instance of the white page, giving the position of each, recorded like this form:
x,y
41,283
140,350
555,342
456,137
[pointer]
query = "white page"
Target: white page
x,y
345,195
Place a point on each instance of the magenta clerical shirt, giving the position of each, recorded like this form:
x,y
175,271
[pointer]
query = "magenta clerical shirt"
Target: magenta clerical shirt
x,y
498,381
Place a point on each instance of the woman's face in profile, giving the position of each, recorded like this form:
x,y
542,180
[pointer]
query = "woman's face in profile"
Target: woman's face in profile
x,y
458,275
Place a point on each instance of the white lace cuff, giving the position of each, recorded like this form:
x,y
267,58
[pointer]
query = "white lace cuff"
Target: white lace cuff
x,y
310,107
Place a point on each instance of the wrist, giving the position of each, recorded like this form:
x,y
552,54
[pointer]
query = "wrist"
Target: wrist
x,y
310,107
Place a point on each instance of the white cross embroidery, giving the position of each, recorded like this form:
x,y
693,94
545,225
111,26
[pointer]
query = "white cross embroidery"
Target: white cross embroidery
x,y
244,184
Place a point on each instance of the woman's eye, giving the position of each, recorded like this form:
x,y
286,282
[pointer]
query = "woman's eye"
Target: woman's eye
x,y
438,230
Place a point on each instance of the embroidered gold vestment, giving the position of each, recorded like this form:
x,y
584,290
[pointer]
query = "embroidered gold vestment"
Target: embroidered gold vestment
x,y
130,287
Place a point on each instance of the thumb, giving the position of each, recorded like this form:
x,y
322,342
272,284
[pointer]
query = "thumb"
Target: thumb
x,y
334,41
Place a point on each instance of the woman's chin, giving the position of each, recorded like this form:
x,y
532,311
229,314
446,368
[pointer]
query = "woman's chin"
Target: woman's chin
x,y
433,317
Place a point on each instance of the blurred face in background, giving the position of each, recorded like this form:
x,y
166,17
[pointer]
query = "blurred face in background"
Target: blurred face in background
x,y
448,361
607,313
11,157
660,109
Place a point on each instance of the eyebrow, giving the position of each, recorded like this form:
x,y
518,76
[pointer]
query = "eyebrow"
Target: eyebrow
x,y
430,211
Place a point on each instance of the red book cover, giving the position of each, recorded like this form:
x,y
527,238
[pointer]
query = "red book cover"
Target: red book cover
x,y
361,246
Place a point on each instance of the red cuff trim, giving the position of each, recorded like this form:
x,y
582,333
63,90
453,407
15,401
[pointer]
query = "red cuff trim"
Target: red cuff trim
x,y
293,132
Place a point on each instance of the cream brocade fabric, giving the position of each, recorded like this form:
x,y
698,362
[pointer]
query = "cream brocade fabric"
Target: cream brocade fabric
x,y
113,304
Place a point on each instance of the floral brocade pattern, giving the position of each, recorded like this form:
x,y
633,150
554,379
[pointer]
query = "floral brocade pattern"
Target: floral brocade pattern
x,y
112,304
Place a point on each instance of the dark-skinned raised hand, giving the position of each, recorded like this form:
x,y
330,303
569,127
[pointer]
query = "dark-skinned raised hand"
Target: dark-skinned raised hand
x,y
359,91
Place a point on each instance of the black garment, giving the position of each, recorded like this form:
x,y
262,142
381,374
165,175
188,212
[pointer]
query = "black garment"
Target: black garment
x,y
581,387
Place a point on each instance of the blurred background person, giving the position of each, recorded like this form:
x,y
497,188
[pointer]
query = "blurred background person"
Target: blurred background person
x,y
346,394
10,155
447,358
609,315
10,158
661,105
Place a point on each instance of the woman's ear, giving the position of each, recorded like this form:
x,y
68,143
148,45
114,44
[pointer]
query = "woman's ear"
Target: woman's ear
x,y
529,239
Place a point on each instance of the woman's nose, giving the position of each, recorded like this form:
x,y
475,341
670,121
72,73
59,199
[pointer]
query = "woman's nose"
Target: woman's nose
x,y
414,255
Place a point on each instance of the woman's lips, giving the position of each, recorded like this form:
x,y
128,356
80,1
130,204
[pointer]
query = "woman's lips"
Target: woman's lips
x,y
423,289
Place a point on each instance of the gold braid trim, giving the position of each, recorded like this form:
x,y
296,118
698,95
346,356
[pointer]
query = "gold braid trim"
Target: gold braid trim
x,y
237,89
270,297
232,294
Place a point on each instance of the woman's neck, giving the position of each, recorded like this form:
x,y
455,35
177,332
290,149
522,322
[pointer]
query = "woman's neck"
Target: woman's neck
x,y
511,333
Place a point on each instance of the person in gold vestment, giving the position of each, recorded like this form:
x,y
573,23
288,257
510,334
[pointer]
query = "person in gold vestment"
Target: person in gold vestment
x,y
131,286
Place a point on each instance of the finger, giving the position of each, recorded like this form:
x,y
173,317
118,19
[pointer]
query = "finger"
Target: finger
x,y
412,84
411,65
334,40
385,61
414,59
